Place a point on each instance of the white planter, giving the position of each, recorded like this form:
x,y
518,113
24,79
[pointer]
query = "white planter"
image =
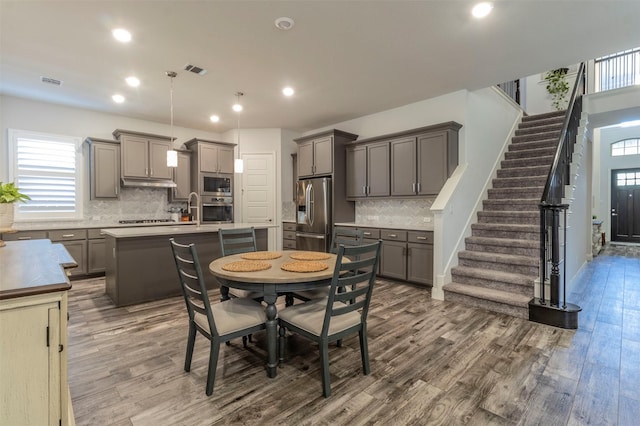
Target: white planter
x,y
6,215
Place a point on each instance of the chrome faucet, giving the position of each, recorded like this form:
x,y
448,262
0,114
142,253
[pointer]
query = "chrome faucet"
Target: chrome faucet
x,y
190,207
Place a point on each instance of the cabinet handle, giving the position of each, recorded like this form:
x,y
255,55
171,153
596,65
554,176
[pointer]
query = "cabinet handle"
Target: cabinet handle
x,y
419,188
116,189
68,235
146,171
151,174
367,234
421,238
413,187
393,235
24,238
364,190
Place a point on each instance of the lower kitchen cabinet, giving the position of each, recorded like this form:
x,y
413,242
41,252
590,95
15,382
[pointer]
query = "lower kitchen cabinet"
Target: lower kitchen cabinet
x,y
288,236
95,251
420,263
75,241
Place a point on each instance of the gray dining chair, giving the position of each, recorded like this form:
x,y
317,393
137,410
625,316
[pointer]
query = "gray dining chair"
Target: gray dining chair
x,y
342,313
237,241
339,236
219,322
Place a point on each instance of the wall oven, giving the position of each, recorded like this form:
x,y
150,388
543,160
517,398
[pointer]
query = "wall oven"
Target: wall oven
x,y
216,209
216,185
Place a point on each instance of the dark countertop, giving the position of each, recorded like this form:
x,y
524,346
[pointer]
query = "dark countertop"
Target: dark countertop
x,y
33,267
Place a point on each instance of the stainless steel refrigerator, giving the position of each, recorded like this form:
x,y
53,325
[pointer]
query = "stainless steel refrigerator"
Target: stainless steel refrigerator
x,y
313,210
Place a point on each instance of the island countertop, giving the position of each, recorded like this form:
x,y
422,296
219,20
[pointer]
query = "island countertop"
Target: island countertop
x,y
151,231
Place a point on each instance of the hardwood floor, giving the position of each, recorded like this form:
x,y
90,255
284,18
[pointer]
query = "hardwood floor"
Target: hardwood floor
x,y
432,362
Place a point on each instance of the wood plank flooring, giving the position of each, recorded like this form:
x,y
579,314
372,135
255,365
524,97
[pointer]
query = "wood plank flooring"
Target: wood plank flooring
x,y
432,363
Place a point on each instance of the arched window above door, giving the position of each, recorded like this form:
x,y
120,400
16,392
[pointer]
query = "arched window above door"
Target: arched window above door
x,y
625,147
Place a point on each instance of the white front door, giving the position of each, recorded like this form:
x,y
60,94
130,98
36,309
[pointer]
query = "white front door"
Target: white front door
x,y
259,191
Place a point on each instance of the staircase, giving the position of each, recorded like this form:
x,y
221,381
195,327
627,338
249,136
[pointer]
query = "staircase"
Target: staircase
x,y
499,267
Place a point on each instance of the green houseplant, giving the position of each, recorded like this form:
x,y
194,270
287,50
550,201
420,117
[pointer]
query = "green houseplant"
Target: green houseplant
x,y
558,87
9,194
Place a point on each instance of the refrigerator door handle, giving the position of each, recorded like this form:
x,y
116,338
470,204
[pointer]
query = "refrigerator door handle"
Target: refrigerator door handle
x,y
310,203
305,235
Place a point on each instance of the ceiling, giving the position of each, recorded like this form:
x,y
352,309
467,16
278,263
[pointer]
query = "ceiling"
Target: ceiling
x,y
345,59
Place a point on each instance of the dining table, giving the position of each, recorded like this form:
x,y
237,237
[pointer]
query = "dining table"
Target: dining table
x,y
273,281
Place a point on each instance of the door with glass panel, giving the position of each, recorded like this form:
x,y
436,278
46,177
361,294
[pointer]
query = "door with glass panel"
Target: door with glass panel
x,y
625,205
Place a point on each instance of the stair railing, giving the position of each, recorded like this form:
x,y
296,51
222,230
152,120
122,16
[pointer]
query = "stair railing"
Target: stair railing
x,y
551,202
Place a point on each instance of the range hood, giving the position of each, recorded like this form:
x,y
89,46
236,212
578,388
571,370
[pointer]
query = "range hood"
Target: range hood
x,y
148,183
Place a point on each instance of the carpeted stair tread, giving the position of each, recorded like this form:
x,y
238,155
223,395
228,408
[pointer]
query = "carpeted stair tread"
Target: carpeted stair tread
x,y
524,171
517,193
538,129
536,137
530,204
516,182
506,226
498,258
509,216
504,241
487,274
534,152
559,120
543,116
528,162
524,146
488,294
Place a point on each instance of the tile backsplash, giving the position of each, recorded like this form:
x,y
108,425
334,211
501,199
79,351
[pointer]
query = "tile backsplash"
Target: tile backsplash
x,y
407,212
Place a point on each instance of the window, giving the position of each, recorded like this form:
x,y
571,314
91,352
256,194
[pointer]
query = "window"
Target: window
x,y
628,179
48,169
625,147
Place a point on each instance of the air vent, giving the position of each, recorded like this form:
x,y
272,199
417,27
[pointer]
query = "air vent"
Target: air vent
x,y
194,69
50,80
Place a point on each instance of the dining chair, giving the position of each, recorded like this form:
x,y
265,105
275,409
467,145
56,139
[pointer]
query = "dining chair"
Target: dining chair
x,y
219,322
342,313
344,236
236,241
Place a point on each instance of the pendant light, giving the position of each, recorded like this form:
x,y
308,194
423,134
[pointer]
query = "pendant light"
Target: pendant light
x,y
172,154
238,164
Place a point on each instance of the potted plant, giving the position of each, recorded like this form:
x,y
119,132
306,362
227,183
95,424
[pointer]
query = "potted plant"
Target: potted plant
x,y
558,87
9,194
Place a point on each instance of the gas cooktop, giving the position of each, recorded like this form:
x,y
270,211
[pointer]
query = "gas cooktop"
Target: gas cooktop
x,y
145,221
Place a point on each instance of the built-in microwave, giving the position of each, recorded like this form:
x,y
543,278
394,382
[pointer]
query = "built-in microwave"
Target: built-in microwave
x,y
216,185
217,209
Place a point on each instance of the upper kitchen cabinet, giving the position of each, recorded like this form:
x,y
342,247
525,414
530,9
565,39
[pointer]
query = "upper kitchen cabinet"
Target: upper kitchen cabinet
x,y
144,156
104,168
423,159
368,170
181,177
319,154
211,156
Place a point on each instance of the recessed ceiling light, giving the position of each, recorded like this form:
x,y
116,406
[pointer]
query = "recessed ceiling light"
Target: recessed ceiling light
x,y
118,98
132,81
284,23
481,10
237,107
122,35
214,118
288,91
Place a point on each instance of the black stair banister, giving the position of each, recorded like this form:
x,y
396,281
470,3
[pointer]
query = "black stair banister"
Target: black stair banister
x,y
551,311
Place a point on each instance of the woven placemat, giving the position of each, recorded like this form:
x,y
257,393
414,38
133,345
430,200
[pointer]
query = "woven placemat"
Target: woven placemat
x,y
246,266
261,255
309,255
304,266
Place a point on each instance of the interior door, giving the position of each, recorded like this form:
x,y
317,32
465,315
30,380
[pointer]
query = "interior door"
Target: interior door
x,y
258,195
625,205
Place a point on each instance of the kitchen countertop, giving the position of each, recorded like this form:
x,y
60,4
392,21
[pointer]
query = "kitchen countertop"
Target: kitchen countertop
x,y
84,225
151,231
386,225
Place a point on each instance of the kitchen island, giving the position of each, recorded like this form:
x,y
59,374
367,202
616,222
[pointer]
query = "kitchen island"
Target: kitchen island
x,y
140,265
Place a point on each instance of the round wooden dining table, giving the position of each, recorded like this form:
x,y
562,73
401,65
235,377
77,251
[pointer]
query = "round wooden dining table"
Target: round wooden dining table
x,y
271,282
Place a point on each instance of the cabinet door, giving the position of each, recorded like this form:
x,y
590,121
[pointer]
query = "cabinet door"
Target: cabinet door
x,y
323,156
182,178
305,159
158,159
378,170
432,163
420,263
393,263
135,157
77,250
225,159
403,166
208,158
96,256
30,364
356,160
105,170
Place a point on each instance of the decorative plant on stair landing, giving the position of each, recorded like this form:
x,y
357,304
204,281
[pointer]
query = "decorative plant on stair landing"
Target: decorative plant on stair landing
x,y
558,87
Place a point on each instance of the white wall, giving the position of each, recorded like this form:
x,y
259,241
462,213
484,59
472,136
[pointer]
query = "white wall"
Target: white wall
x,y
535,99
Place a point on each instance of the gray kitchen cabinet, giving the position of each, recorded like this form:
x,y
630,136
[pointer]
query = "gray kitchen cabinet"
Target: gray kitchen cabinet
x,y
368,170
288,236
104,168
211,156
422,163
317,153
95,251
24,235
143,155
75,241
420,257
393,254
182,178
